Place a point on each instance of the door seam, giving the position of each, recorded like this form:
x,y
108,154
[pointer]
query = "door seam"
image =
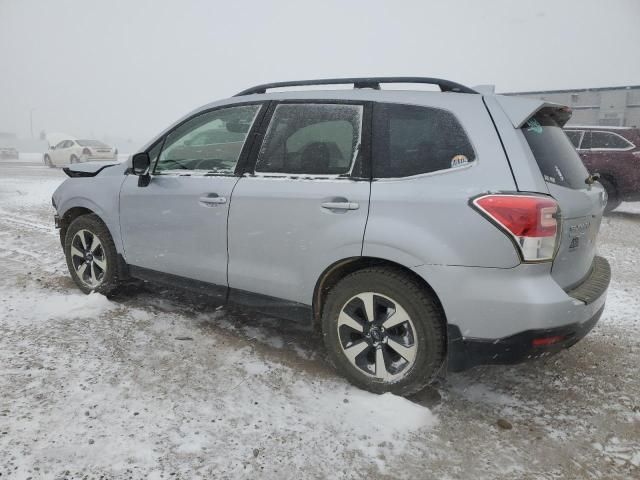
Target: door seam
x,y
227,226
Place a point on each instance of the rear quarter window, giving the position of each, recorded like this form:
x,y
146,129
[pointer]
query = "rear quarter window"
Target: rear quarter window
x,y
555,155
411,140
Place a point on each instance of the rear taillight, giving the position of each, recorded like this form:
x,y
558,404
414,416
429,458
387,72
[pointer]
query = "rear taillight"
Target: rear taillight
x,y
531,221
86,151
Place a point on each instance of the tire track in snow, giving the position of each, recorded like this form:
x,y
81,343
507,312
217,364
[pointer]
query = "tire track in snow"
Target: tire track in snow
x,y
28,223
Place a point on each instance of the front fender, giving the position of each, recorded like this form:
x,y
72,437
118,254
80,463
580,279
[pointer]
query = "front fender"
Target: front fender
x,y
100,195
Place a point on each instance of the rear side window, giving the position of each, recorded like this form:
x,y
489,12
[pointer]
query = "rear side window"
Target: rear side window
x,y
606,140
311,139
410,140
556,156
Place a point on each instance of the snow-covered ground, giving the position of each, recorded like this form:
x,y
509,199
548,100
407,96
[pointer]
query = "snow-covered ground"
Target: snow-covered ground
x,y
158,384
38,158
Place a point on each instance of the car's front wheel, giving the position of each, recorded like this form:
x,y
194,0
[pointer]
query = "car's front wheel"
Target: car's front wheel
x,y
91,255
384,331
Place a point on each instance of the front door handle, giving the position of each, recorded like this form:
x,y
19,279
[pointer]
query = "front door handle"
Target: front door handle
x,y
212,199
340,205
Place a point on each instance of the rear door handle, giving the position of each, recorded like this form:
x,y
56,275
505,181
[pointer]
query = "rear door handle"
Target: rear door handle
x,y
340,205
212,199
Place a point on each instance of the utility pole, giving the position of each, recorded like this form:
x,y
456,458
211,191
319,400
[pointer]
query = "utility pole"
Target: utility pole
x,y
31,120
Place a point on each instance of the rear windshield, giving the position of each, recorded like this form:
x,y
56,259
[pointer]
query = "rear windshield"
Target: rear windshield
x,y
91,143
556,156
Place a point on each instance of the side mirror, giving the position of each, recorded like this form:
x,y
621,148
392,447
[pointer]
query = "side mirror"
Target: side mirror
x,y
140,164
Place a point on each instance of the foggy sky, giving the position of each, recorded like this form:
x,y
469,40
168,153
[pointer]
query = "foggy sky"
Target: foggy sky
x,y
129,68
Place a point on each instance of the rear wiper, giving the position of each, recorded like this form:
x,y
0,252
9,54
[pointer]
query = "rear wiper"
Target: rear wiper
x,y
593,178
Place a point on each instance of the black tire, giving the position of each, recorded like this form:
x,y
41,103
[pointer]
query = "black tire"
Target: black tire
x,y
614,200
107,254
73,159
427,324
47,161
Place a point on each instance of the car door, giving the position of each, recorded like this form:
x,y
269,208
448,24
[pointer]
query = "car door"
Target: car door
x,y
177,224
611,155
304,203
58,154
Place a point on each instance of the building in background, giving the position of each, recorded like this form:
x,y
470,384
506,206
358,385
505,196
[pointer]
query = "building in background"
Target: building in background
x,y
611,106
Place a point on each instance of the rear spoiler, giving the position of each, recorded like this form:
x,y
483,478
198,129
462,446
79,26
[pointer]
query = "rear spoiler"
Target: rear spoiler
x,y
521,109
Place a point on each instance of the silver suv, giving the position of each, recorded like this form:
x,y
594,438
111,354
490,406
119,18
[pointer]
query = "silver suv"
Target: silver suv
x,y
419,230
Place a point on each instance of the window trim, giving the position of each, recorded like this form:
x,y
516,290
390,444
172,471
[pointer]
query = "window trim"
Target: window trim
x,y
427,174
435,172
246,147
362,162
606,149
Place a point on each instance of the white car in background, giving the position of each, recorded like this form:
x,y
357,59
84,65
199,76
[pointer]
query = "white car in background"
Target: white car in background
x,y
70,150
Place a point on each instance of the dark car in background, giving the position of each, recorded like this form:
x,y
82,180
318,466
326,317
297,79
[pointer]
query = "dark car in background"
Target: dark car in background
x,y
614,153
9,153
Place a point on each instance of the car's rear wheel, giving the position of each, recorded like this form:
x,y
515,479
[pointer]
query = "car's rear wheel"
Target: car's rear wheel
x,y
91,255
384,331
47,161
73,159
614,200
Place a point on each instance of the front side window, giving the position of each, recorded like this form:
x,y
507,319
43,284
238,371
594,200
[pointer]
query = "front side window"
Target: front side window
x,y
606,140
209,143
311,139
410,140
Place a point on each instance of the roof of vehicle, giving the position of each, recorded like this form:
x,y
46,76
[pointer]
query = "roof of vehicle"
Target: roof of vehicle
x,y
597,127
518,109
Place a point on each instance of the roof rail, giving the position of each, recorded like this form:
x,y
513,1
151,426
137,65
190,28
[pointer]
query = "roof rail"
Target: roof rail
x,y
361,82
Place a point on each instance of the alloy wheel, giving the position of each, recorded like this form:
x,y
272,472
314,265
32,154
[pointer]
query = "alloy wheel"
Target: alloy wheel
x,y
377,336
88,258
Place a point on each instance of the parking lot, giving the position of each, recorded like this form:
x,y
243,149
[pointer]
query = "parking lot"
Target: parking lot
x,y
158,384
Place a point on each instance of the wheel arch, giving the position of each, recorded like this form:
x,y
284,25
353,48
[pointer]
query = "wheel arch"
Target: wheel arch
x,y
611,178
76,207
340,269
69,216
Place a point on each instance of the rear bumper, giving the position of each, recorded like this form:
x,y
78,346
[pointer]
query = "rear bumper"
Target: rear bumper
x,y
465,353
503,316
